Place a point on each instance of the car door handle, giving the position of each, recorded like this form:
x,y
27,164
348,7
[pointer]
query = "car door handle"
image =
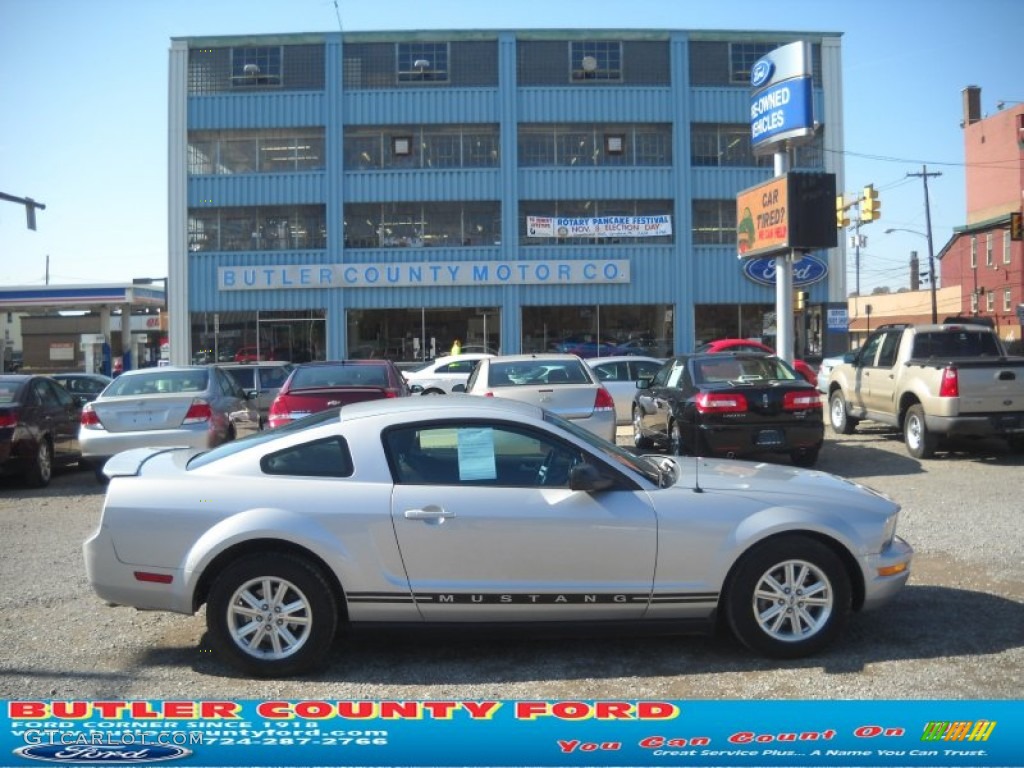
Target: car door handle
x,y
428,513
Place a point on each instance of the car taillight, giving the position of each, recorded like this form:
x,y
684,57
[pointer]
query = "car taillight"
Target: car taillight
x,y
801,401
8,418
89,418
950,384
198,412
721,402
604,401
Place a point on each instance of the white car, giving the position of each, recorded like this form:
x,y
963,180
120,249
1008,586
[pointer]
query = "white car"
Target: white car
x,y
826,366
443,375
619,375
559,382
472,511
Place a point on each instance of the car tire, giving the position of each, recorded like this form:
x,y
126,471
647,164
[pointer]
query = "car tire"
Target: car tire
x,y
805,457
920,441
842,423
639,439
238,608
676,442
788,597
40,471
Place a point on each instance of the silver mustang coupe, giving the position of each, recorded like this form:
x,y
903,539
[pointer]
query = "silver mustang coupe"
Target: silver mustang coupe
x,y
480,510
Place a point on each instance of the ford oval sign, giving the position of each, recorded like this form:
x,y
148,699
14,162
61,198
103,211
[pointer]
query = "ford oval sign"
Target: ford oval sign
x,y
81,754
807,271
761,72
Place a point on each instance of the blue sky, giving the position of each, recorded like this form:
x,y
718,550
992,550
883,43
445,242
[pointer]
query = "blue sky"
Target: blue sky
x,y
83,105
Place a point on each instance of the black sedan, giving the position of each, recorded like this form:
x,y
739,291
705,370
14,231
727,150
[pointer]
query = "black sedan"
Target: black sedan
x,y
729,404
38,427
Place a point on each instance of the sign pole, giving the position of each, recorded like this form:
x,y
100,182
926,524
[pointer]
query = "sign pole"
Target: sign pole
x,y
784,282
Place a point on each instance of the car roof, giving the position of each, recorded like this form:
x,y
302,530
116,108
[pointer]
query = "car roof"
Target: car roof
x,y
440,407
549,356
624,359
165,369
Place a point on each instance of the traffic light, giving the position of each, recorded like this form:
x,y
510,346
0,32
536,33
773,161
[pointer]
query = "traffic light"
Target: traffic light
x,y
799,301
870,205
1016,226
842,220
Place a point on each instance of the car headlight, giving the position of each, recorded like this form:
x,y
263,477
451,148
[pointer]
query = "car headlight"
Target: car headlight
x,y
889,530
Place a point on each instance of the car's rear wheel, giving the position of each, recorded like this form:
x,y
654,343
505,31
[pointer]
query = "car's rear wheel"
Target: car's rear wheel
x,y
639,439
272,615
788,597
41,469
921,442
841,422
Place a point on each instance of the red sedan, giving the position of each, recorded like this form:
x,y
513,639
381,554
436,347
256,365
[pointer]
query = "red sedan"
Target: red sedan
x,y
749,345
314,387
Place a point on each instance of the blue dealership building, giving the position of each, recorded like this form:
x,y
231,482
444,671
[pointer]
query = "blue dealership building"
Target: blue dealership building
x,y
367,194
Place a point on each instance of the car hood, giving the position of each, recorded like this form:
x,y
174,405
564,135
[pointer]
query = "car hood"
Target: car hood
x,y
792,485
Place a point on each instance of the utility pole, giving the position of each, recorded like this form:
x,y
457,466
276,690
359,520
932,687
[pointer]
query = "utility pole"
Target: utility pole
x,y
924,174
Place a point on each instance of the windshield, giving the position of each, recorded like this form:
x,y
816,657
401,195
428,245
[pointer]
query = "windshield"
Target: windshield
x,y
610,451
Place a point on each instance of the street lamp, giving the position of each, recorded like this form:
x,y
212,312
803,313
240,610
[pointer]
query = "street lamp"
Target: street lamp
x,y
931,264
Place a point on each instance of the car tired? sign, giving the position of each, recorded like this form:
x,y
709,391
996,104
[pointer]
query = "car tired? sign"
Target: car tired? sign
x,y
790,212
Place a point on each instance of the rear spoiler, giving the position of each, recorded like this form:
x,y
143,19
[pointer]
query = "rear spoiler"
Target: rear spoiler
x,y
129,463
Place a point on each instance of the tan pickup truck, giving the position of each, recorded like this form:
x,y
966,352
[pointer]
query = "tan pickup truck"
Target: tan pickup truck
x,y
932,382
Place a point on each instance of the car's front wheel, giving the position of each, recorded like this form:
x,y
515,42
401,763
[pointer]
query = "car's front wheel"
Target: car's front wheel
x,y
788,597
272,615
842,424
639,439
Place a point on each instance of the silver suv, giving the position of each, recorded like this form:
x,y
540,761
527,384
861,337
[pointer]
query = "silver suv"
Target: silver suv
x,y
263,378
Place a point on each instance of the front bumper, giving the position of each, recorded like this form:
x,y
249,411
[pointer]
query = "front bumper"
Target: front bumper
x,y
880,589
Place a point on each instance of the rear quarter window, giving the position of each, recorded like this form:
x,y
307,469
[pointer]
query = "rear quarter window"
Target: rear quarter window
x,y
328,457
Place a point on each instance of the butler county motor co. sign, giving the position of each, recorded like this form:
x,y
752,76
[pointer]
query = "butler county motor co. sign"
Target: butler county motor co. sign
x,y
424,274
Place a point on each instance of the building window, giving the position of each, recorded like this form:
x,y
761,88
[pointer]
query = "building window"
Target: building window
x,y
1006,247
714,222
422,62
419,225
743,56
431,146
256,66
268,228
988,251
974,251
1007,300
595,60
974,302
599,330
272,151
575,145
990,301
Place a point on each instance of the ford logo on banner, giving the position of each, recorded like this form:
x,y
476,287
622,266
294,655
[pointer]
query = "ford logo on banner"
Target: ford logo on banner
x,y
761,72
807,271
102,755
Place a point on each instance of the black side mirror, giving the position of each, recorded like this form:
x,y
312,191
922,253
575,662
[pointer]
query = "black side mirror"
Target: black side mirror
x,y
588,478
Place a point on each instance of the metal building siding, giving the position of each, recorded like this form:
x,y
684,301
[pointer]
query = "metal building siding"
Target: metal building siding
x,y
421,107
422,185
256,189
718,279
204,295
227,111
732,105
724,183
600,183
642,104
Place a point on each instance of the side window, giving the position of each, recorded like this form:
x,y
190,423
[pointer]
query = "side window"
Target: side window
x,y
661,377
246,377
890,345
62,395
644,370
273,377
478,454
45,394
329,457
612,372
870,351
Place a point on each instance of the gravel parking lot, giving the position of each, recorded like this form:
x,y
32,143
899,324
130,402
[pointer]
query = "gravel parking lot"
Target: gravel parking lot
x,y
956,632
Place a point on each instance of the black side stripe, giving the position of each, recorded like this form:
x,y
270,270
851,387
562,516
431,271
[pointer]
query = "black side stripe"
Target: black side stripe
x,y
532,598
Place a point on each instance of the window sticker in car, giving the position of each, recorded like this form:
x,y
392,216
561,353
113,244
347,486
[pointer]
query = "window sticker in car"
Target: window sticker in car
x,y
476,454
